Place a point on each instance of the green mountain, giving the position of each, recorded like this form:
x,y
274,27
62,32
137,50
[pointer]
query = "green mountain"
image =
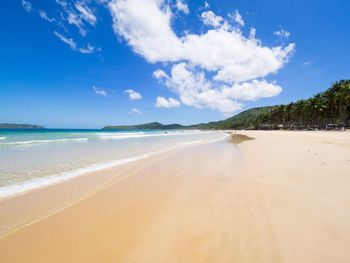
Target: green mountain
x,y
243,120
20,126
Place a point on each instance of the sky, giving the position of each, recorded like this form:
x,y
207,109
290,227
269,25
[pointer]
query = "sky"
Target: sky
x,y
91,63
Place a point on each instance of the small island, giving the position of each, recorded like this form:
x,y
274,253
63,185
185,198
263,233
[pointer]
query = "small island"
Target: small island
x,y
20,126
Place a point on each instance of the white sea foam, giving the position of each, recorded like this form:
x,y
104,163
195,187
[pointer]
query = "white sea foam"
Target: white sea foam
x,y
2,138
119,136
18,188
44,141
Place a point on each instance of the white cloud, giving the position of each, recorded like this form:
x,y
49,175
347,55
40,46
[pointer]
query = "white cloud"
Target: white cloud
x,y
69,41
222,52
135,111
236,16
27,6
252,32
77,14
147,28
210,19
74,19
159,74
253,90
195,90
89,49
226,52
206,4
182,6
307,63
73,45
162,102
44,16
99,91
282,33
133,95
86,13
62,3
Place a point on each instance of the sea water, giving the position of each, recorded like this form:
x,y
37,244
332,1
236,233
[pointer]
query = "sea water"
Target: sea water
x,y
36,158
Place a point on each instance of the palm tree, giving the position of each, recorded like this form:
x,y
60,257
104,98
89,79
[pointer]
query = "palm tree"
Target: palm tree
x,y
333,106
341,99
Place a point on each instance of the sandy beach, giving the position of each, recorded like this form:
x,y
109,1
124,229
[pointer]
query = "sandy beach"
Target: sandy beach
x,y
282,197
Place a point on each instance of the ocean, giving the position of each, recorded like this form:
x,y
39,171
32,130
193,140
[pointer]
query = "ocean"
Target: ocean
x,y
31,159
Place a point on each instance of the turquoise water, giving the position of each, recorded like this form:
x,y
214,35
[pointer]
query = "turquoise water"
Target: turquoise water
x,y
36,158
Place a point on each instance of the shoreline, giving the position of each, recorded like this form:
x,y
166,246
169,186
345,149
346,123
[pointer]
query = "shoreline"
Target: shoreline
x,y
62,191
8,191
280,193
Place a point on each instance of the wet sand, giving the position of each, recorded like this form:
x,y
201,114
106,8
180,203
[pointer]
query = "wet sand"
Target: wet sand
x,y
283,197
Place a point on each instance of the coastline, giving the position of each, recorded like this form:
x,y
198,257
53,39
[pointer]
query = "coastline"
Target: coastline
x,y
64,190
281,197
74,156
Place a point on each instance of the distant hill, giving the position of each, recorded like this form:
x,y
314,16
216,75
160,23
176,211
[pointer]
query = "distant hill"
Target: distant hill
x,y
146,126
20,126
240,121
243,120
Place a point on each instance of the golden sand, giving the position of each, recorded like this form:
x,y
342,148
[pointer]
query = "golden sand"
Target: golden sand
x,y
285,198
239,138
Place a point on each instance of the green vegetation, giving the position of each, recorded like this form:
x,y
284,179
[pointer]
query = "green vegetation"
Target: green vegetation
x,y
323,111
243,120
20,126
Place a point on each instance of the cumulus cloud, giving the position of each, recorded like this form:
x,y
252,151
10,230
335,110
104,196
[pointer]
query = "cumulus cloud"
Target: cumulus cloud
x,y
194,89
162,102
237,63
236,16
133,95
253,90
282,33
252,32
217,69
182,6
99,91
146,29
73,45
226,52
210,19
159,74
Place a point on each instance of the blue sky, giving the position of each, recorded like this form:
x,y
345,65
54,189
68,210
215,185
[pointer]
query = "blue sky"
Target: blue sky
x,y
86,64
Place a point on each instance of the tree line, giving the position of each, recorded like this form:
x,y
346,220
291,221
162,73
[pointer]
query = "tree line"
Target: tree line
x,y
326,110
